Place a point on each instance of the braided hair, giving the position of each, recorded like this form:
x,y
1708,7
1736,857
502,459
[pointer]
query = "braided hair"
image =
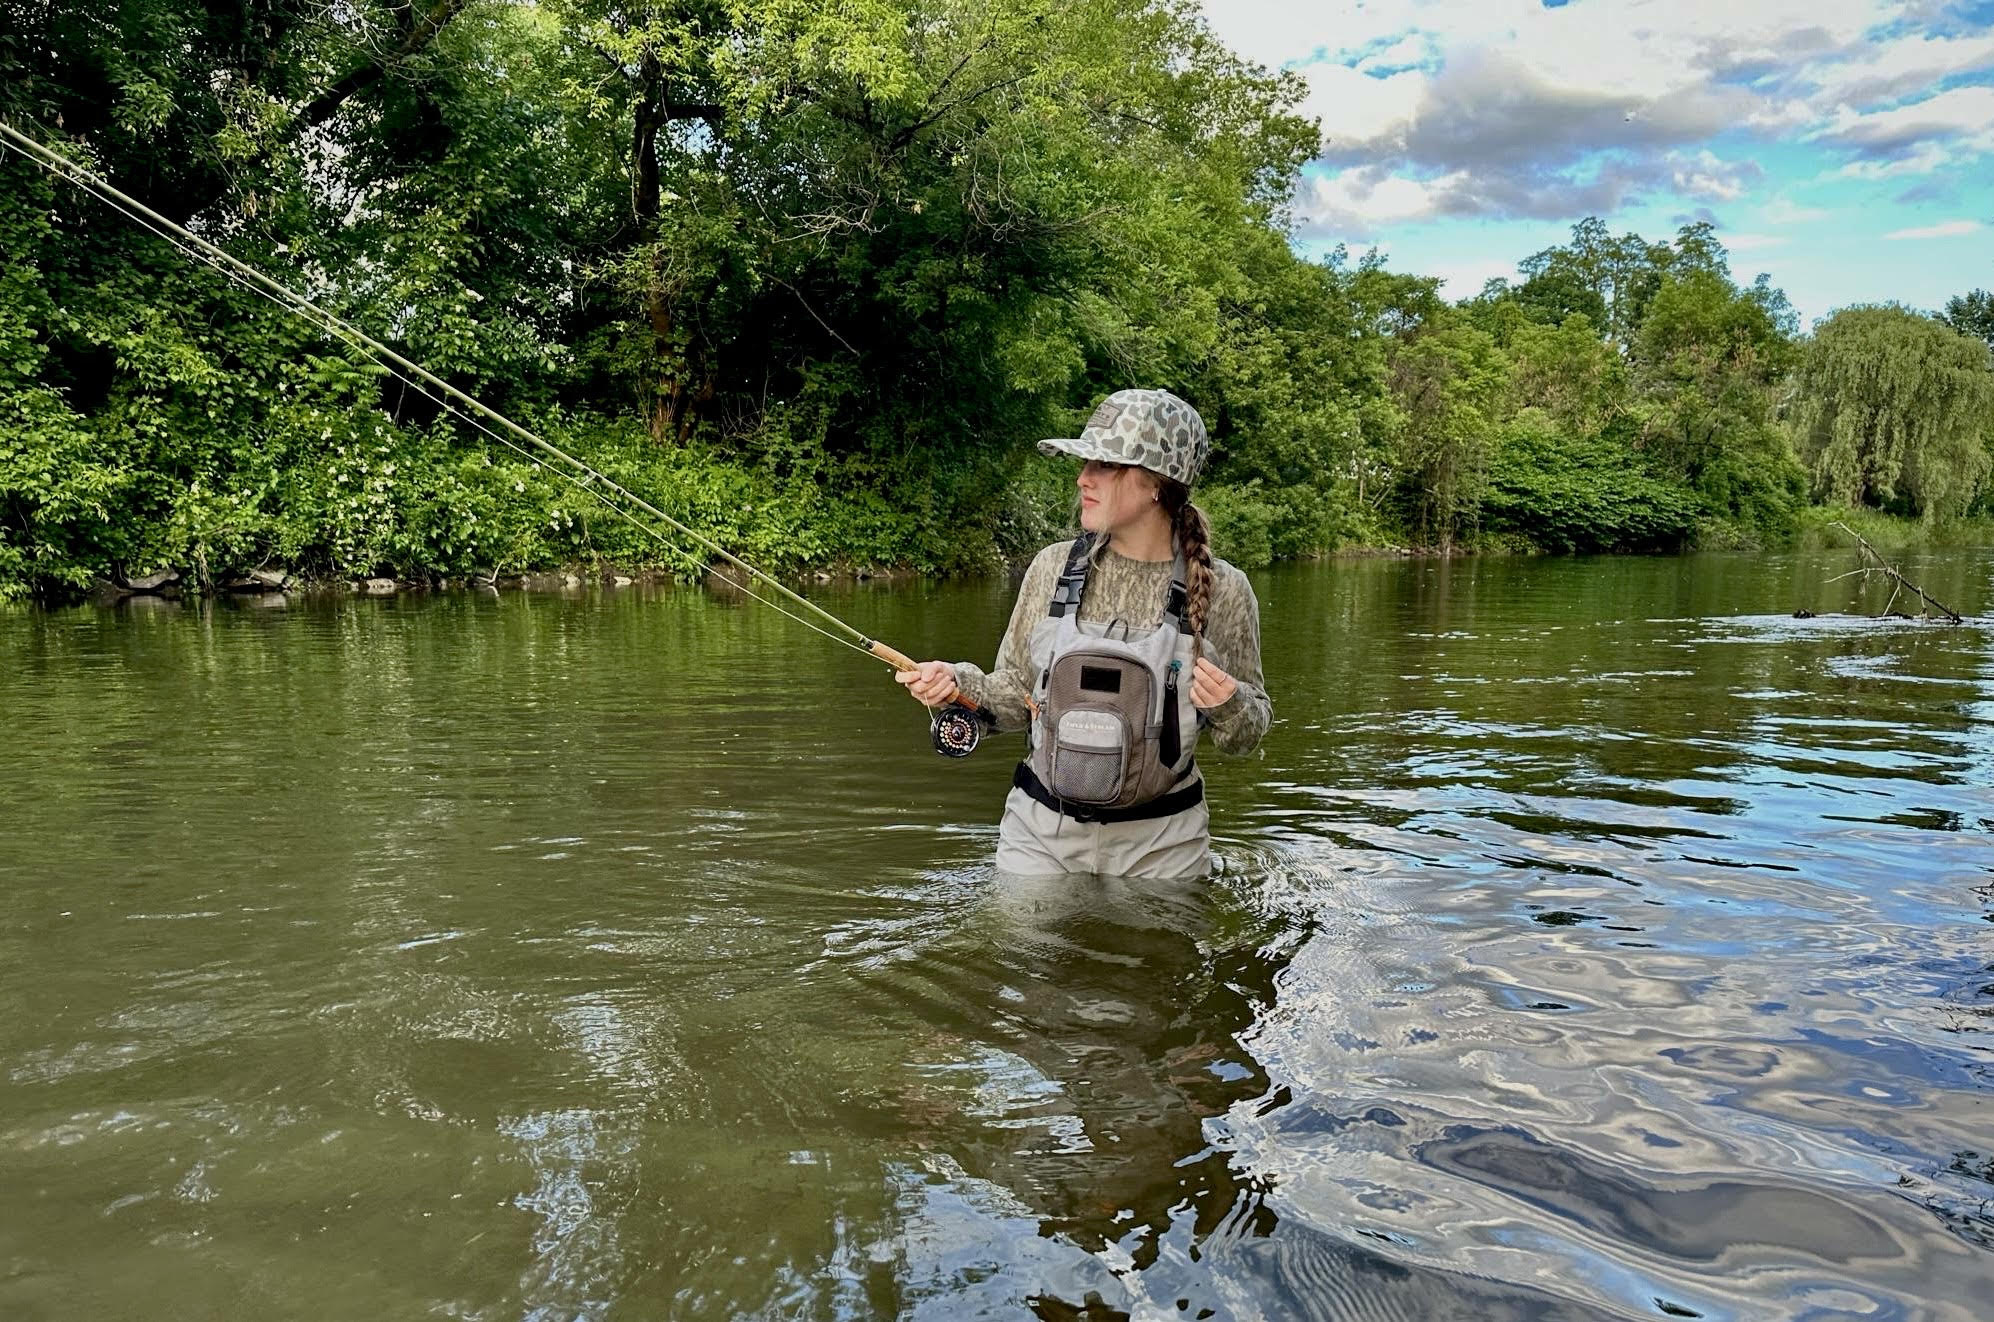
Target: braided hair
x,y
1194,538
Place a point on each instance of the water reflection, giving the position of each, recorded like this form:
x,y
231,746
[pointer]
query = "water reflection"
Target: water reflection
x,y
1080,1105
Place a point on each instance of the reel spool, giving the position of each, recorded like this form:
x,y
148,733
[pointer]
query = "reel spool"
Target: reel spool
x,y
956,730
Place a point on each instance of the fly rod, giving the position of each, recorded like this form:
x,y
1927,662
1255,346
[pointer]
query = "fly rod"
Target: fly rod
x,y
956,726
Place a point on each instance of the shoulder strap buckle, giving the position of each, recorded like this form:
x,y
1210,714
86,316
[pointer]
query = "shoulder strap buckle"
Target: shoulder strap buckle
x,y
1073,579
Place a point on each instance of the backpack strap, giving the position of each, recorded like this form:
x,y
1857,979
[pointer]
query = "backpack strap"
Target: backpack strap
x,y
1073,579
1072,584
1177,601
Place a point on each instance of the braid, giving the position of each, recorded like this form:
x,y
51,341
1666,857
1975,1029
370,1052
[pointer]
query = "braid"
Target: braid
x,y
1194,538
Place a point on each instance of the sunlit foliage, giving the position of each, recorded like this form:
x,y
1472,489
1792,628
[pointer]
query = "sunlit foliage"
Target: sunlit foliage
x,y
1897,410
813,278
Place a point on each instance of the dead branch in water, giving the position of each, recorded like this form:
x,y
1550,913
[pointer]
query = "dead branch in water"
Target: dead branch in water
x,y
1889,571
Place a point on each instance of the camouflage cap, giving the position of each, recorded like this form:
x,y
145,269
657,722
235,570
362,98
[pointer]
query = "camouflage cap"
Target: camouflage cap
x,y
1151,429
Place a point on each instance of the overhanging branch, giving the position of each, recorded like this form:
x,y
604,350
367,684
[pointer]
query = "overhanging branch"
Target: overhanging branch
x,y
418,36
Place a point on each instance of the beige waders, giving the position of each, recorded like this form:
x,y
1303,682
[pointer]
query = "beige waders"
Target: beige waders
x,y
1035,841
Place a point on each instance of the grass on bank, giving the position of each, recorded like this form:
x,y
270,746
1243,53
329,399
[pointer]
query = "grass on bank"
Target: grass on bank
x,y
1891,532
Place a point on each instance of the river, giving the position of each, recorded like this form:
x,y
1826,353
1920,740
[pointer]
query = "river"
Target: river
x,y
1591,938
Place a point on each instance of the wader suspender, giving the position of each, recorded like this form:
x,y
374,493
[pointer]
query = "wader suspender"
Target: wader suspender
x,y
1066,596
1073,582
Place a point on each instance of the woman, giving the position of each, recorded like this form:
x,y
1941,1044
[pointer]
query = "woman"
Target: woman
x,y
1122,646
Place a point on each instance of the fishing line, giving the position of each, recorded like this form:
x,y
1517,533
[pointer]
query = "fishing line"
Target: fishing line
x,y
429,385
329,324
583,484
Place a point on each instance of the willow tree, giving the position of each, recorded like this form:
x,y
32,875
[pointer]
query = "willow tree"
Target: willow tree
x,y
1895,409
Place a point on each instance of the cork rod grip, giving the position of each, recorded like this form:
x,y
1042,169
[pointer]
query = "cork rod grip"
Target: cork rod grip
x,y
898,660
901,661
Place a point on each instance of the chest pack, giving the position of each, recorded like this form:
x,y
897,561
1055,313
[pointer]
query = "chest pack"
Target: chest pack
x,y
1115,730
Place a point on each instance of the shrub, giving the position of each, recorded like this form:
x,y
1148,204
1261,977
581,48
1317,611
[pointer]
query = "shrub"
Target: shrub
x,y
1571,495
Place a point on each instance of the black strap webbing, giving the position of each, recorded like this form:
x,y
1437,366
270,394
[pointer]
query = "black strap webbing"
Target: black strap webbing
x,y
1072,585
1073,578
1176,801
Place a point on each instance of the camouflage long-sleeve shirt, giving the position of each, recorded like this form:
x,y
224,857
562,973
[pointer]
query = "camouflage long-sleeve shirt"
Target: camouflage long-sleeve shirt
x,y
1132,591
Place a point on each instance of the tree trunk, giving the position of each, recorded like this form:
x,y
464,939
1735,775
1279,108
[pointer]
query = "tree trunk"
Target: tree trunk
x,y
671,402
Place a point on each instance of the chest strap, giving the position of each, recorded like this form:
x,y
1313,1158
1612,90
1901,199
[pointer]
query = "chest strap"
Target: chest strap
x,y
1176,801
1072,585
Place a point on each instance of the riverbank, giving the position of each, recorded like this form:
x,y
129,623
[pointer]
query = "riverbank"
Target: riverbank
x,y
1820,528
573,577
1889,532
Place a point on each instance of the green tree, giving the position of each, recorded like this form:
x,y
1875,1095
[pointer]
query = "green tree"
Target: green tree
x,y
1294,394
1582,494
1450,384
839,260
1395,303
1696,250
1971,314
1895,411
1556,287
1568,371
1605,279
1709,364
973,209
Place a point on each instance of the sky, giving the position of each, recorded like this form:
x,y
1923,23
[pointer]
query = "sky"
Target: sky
x,y
1845,147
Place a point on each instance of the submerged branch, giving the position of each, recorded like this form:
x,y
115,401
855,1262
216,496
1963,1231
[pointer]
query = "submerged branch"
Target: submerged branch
x,y
1889,571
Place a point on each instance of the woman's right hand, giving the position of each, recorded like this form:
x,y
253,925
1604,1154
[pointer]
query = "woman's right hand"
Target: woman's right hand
x,y
931,682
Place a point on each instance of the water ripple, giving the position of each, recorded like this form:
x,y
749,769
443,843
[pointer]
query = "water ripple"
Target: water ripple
x,y
1588,942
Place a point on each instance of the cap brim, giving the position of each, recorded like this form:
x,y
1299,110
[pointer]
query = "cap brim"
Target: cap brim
x,y
1078,448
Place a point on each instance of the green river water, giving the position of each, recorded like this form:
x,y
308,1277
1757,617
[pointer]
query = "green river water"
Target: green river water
x,y
1592,939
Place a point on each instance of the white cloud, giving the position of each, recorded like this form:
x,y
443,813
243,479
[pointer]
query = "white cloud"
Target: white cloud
x,y
1359,202
1895,68
1923,159
1276,32
1783,211
1358,109
1640,49
1965,114
1707,177
1950,229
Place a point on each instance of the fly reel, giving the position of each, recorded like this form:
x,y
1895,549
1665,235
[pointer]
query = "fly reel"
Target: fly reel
x,y
956,730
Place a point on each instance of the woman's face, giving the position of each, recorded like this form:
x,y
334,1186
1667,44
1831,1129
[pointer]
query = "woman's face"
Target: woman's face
x,y
1113,497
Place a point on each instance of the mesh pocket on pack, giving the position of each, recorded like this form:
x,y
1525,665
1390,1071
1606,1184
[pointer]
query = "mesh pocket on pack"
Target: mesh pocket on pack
x,y
1089,753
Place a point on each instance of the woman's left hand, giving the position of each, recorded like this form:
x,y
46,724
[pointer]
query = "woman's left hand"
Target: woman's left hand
x,y
1210,686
